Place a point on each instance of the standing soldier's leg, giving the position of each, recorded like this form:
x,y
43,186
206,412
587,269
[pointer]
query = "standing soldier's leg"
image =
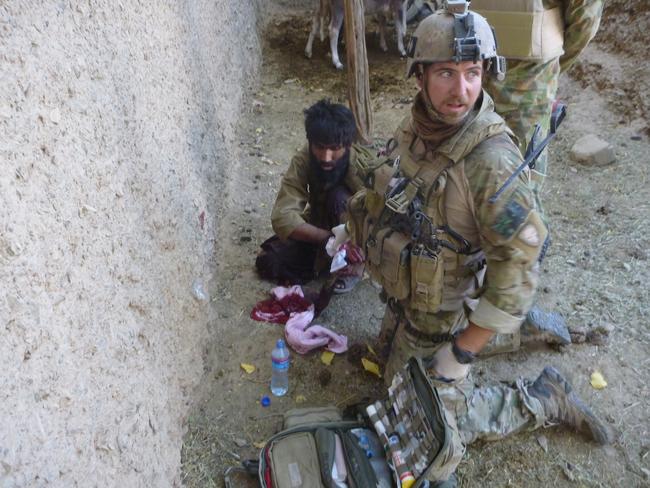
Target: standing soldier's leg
x,y
524,99
389,324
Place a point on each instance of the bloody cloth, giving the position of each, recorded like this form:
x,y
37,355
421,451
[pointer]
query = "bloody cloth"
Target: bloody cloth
x,y
279,311
289,306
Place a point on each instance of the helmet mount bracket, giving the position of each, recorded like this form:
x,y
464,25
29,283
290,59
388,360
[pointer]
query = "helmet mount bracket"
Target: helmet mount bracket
x,y
456,34
467,47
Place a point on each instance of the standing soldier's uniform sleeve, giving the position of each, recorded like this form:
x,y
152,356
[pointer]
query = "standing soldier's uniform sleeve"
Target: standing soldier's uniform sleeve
x,y
512,235
581,21
291,202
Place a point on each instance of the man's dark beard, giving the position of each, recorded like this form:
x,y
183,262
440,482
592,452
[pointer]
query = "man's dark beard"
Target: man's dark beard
x,y
321,180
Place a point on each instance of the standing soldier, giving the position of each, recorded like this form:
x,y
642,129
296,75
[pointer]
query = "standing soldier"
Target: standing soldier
x,y
556,32
540,39
429,231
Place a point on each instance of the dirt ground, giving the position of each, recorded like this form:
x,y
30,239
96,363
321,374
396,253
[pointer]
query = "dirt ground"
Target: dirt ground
x,y
595,274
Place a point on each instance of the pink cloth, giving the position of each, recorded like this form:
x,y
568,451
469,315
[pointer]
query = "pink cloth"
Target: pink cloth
x,y
284,306
303,338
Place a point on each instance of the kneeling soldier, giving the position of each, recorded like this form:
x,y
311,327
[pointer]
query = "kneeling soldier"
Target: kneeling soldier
x,y
456,266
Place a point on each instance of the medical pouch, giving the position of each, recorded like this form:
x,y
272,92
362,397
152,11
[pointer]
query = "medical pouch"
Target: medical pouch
x,y
427,276
413,425
388,261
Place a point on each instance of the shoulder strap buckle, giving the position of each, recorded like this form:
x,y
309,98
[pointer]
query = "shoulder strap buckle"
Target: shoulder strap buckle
x,y
398,203
399,199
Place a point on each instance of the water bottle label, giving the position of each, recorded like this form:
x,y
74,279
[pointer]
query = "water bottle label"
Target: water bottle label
x,y
280,363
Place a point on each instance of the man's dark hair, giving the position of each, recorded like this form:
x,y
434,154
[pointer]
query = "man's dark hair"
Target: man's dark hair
x,y
330,124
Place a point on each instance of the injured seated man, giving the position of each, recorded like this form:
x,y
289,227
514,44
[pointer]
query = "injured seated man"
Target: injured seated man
x,y
313,199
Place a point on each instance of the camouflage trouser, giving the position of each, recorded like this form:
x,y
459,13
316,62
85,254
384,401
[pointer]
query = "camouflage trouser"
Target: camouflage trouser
x,y
487,413
524,99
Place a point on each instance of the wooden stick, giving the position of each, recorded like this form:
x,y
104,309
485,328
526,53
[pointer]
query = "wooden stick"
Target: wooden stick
x,y
357,66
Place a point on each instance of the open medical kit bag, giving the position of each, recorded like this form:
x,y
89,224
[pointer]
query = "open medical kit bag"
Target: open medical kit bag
x,y
399,442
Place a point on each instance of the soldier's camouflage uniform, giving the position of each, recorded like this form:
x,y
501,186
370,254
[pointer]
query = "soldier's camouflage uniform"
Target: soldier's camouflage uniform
x,y
526,96
507,235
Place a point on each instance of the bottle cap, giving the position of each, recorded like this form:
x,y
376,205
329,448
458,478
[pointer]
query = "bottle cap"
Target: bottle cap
x,y
408,481
265,401
280,343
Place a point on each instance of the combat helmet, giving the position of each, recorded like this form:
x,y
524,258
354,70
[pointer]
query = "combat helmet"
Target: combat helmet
x,y
455,33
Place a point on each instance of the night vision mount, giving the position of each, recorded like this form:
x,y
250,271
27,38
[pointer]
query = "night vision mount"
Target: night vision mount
x,y
467,46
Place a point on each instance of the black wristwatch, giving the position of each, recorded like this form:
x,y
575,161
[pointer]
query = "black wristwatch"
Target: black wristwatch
x,y
461,355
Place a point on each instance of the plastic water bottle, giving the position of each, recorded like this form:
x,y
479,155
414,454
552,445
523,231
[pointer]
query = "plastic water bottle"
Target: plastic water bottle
x,y
370,443
280,376
364,443
379,464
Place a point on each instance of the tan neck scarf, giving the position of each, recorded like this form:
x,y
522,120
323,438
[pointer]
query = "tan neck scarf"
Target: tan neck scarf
x,y
429,125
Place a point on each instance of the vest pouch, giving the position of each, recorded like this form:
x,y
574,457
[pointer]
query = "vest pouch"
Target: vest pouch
x,y
364,207
427,275
388,262
375,203
356,212
524,28
368,224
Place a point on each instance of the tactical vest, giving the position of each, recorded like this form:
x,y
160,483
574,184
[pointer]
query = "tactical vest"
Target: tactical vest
x,y
525,29
401,218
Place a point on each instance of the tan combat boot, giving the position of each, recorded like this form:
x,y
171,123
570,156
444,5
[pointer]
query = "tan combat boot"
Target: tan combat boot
x,y
548,327
562,405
